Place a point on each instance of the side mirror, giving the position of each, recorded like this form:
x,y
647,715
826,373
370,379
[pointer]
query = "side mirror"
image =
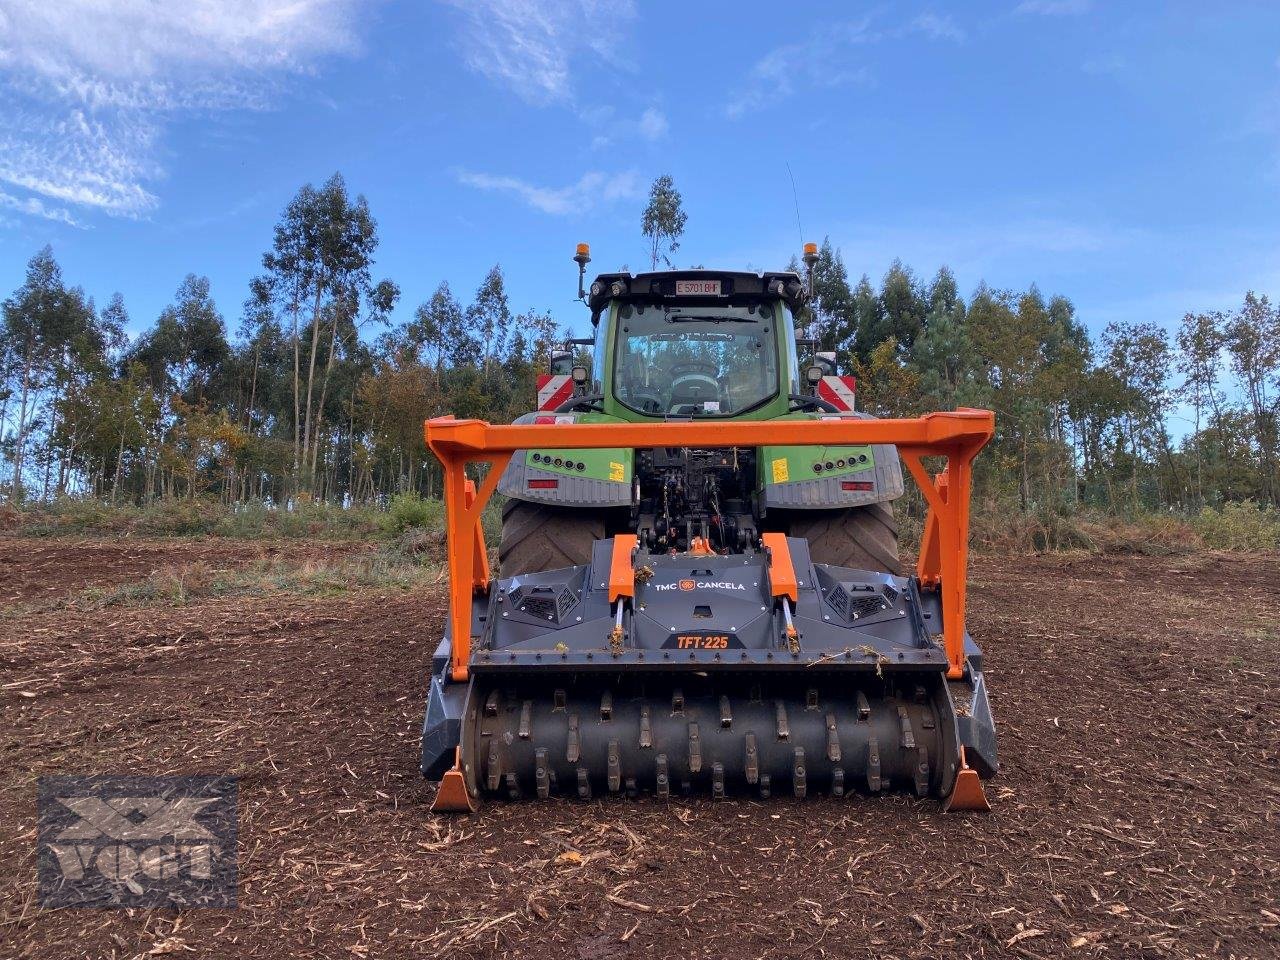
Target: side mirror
x,y
561,362
580,375
814,375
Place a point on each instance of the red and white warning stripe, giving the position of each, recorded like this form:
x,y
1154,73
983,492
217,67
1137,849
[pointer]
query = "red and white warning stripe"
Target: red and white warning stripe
x,y
838,391
553,390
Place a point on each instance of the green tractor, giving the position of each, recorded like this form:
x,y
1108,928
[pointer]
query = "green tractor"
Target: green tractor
x,y
702,345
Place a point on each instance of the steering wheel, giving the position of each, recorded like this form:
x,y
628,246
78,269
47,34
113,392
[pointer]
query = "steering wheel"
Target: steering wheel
x,y
587,403
704,367
800,401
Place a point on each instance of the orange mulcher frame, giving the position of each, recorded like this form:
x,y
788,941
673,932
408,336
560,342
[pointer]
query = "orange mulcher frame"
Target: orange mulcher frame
x,y
956,435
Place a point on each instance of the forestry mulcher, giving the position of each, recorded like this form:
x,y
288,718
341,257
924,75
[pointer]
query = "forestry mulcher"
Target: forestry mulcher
x,y
700,589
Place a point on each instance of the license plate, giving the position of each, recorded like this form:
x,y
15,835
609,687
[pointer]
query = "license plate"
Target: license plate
x,y
697,288
702,641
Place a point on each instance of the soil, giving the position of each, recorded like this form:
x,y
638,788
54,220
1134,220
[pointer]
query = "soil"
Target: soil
x,y
1137,812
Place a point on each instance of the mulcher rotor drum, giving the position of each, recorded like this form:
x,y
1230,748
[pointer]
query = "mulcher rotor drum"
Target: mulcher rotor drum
x,y
585,735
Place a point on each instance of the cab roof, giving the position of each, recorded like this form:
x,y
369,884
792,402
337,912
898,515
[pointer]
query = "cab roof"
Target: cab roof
x,y
737,287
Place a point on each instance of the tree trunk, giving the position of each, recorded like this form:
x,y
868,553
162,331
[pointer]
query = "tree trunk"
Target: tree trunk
x,y
311,374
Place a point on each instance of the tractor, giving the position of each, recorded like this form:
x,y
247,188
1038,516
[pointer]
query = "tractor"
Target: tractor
x,y
699,584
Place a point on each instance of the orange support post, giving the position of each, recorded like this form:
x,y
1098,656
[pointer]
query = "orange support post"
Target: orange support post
x,y
957,435
782,573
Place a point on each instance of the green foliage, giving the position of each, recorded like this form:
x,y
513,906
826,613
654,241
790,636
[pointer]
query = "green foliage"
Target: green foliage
x,y
1245,525
408,510
663,220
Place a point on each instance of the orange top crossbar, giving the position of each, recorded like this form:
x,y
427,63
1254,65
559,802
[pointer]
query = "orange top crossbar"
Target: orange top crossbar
x,y
956,435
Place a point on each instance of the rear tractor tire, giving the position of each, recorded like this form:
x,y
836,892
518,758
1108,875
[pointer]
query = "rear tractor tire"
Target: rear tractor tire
x,y
537,537
865,538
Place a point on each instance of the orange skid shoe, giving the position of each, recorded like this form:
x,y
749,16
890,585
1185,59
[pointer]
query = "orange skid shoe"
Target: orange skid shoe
x,y
967,793
452,795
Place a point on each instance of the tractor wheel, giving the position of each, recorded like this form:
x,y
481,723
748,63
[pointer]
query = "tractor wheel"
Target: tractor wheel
x,y
536,537
865,538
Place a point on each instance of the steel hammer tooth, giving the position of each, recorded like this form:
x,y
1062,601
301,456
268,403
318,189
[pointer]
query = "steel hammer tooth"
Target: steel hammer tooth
x,y
717,781
799,780
663,778
695,749
908,737
584,784
615,767
574,748
495,765
752,766
833,739
541,779
726,714
526,719
864,708
873,765
646,732
784,728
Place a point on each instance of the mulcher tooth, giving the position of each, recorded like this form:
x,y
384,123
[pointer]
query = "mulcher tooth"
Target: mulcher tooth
x,y
541,779
908,737
752,765
584,784
526,719
677,702
513,786
663,787
495,765
837,782
615,767
726,714
695,749
798,777
922,772
646,730
766,783
606,705
873,765
717,781
630,787
833,739
574,748
784,728
864,708
491,704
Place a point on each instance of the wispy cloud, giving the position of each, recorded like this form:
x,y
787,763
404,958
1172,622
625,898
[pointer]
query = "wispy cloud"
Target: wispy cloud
x,y
937,27
829,58
592,189
653,124
90,86
35,207
528,45
1054,8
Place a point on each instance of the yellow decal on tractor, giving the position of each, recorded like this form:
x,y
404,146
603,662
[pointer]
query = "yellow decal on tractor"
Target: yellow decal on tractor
x,y
617,472
780,470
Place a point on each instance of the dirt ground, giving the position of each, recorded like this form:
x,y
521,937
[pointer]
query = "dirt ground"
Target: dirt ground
x,y
1137,812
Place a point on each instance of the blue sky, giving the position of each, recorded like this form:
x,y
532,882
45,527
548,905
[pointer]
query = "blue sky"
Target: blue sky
x,y
1126,155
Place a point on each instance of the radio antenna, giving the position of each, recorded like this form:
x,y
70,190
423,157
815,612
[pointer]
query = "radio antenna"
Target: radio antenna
x,y
796,198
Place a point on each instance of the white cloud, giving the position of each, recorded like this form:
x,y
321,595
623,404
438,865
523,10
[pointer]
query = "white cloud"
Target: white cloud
x,y
591,189
528,45
828,58
89,86
1054,8
821,61
34,207
937,27
653,124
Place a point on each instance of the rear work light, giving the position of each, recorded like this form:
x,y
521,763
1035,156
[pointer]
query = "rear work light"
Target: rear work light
x,y
543,484
857,485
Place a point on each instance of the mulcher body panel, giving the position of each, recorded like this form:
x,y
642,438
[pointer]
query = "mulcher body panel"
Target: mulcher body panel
x,y
703,693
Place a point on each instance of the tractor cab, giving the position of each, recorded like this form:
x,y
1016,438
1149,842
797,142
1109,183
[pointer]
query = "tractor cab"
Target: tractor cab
x,y
694,344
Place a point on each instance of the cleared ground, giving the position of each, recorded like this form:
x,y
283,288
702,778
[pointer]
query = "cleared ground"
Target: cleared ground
x,y
1137,812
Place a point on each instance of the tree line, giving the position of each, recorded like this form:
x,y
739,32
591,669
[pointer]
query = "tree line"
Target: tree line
x,y
318,395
